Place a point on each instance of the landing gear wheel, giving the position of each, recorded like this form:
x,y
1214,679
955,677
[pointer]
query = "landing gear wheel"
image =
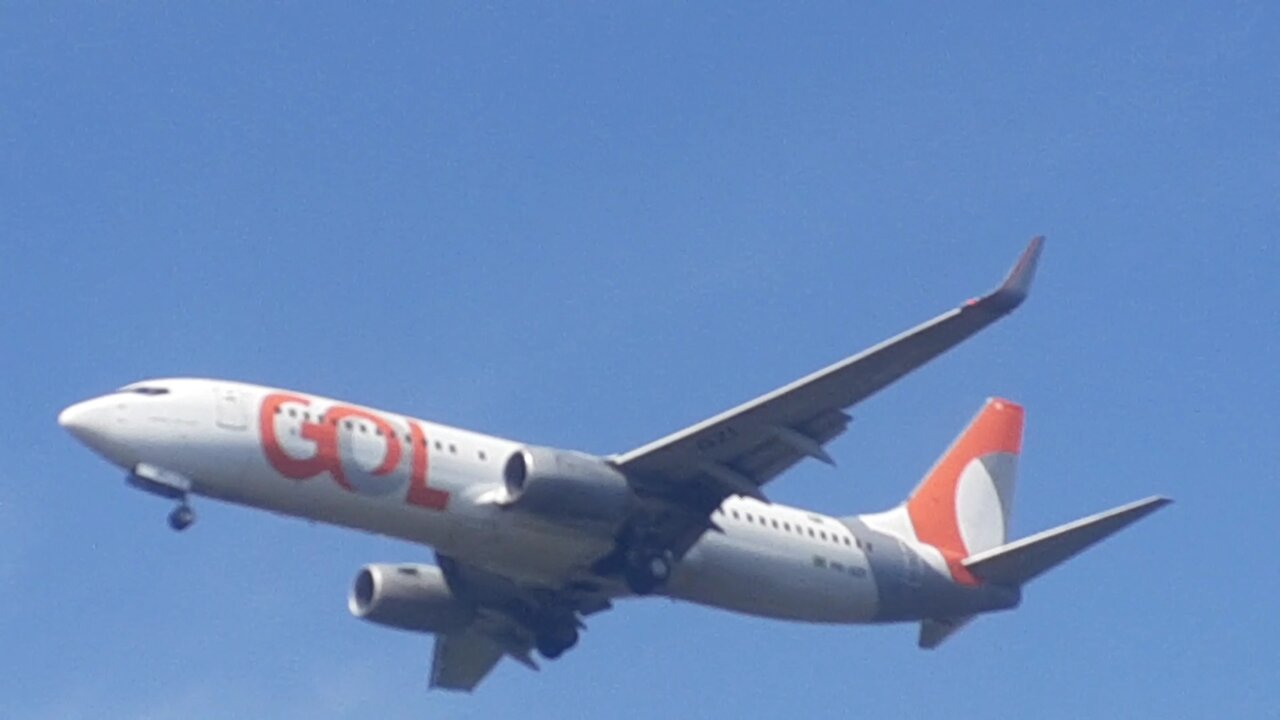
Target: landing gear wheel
x,y
182,517
552,645
646,573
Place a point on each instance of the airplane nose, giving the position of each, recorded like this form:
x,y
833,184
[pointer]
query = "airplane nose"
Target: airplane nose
x,y
74,418
88,421
101,424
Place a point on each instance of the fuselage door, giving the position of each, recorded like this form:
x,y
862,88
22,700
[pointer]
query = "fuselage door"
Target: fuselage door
x,y
911,566
232,412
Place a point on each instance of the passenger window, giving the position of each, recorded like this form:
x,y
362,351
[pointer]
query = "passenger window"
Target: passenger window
x,y
735,515
775,524
482,455
811,533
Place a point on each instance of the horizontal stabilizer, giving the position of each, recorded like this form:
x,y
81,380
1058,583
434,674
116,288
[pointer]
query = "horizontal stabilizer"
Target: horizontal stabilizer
x,y
1021,561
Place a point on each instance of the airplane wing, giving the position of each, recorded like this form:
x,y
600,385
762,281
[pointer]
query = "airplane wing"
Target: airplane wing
x,y
463,658
738,451
507,621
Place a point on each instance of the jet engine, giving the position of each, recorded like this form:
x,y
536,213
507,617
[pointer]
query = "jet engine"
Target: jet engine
x,y
566,485
408,597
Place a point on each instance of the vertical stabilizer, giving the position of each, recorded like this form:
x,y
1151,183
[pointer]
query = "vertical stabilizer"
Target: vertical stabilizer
x,y
934,631
964,503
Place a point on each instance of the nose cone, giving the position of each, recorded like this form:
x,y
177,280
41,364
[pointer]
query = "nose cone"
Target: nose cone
x,y
77,419
93,422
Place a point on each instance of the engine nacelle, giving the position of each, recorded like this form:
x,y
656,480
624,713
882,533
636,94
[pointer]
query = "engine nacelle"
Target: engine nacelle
x,y
408,597
566,485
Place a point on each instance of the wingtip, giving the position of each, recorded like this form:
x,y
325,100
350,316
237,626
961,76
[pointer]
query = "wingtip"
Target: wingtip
x,y
1147,505
1017,284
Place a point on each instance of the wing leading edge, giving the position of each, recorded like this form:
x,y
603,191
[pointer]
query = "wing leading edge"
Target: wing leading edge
x,y
738,451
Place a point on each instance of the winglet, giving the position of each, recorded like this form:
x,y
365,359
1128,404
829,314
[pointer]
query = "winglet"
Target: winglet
x,y
1017,284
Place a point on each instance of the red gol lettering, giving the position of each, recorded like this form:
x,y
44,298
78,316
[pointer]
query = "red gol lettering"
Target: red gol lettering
x,y
327,457
419,493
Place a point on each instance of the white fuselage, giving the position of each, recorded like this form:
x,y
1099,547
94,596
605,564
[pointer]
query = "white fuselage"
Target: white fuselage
x,y
332,462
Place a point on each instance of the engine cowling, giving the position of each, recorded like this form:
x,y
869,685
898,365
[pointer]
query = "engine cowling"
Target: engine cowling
x,y
408,597
566,485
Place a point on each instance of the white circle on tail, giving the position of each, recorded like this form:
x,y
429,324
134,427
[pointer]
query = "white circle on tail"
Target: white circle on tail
x,y
983,495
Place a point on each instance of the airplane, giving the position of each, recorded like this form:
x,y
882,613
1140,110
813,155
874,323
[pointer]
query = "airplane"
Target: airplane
x,y
529,541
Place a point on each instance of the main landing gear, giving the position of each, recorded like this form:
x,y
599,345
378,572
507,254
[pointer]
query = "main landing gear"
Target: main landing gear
x,y
644,565
645,571
556,640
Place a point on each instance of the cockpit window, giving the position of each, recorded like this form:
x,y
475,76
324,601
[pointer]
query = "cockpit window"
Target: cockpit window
x,y
146,390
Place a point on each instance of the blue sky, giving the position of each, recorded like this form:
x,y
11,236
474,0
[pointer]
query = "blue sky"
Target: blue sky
x,y
589,225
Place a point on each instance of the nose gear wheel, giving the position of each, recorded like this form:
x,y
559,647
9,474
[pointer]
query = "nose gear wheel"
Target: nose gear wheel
x,y
182,517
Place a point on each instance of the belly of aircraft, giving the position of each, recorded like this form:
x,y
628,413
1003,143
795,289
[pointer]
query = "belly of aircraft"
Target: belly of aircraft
x,y
780,581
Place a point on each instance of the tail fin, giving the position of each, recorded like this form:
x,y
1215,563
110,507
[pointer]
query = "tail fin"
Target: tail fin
x,y
964,503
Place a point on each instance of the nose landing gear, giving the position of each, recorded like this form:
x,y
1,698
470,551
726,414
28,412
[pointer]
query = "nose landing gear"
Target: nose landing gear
x,y
182,517
166,484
